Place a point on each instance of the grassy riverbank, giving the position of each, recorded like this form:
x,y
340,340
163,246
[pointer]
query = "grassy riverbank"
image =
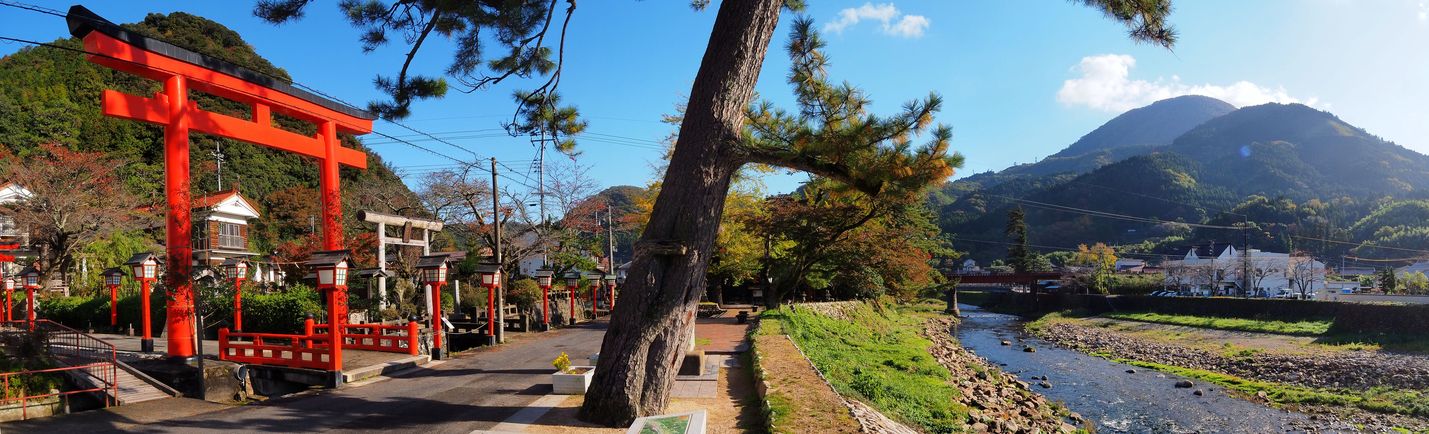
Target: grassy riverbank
x,y
877,356
1299,328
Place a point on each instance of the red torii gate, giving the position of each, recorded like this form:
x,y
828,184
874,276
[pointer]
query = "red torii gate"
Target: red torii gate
x,y
181,70
6,258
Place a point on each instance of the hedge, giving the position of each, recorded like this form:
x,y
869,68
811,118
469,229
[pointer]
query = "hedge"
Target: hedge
x,y
279,312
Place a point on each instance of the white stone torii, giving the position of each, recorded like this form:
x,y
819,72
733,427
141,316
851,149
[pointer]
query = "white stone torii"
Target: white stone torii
x,y
407,224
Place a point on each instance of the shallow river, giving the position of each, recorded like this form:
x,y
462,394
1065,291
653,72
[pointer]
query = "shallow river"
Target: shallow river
x,y
1144,402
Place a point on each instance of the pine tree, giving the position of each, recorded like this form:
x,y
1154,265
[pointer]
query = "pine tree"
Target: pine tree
x,y
1017,254
668,274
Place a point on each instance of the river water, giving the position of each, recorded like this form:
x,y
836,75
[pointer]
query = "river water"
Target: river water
x,y
1102,391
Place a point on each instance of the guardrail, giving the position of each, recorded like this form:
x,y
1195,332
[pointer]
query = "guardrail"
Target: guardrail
x,y
90,360
396,338
306,350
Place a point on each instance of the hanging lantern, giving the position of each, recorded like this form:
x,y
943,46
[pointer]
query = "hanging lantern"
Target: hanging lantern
x,y
235,268
113,276
544,278
573,280
331,267
490,275
434,269
145,266
31,276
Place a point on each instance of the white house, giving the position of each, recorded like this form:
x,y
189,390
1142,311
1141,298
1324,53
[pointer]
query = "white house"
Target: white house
x,y
1124,265
1270,273
1417,267
10,232
223,233
9,193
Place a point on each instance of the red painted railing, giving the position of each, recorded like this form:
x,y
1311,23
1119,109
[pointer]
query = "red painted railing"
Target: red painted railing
x,y
90,360
397,338
297,351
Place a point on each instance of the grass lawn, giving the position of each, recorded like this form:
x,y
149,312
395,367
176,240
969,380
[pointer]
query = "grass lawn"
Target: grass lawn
x,y
1297,328
879,357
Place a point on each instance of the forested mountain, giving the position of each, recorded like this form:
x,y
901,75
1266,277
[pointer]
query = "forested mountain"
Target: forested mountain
x,y
1301,177
1135,132
50,95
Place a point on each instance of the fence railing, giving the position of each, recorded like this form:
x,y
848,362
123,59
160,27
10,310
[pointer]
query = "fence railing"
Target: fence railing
x,y
91,362
396,338
297,351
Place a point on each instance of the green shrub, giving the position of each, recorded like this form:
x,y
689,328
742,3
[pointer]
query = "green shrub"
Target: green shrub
x,y
524,293
281,312
85,312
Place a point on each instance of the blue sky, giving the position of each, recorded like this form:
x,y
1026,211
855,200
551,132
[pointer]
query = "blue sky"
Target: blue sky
x,y
1021,80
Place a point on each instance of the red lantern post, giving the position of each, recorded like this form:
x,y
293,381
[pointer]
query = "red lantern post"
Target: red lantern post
x,y
543,279
610,296
490,279
31,278
434,272
594,296
237,269
331,269
112,278
145,267
9,303
573,281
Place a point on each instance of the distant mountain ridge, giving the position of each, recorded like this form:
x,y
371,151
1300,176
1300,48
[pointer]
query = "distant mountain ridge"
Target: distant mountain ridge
x,y
1288,151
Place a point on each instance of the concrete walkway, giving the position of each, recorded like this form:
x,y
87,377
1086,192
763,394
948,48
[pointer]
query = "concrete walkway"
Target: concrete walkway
x,y
473,391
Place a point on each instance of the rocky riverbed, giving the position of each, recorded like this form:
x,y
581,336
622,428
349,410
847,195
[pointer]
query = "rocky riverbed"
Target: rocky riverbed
x,y
1355,370
998,402
1341,369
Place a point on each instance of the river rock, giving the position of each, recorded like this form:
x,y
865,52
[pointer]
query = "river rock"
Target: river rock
x,y
1185,384
1131,371
1044,384
1029,349
1198,392
1006,343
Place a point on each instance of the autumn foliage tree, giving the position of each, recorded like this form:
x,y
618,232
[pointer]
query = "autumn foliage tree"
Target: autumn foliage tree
x,y
76,199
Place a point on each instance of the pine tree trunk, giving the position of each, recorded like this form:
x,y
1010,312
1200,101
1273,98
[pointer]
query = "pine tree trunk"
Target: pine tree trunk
x,y
649,334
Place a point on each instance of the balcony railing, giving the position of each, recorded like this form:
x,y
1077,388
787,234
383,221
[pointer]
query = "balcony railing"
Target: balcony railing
x,y
231,242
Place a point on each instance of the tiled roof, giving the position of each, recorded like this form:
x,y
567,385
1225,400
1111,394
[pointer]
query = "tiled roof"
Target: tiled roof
x,y
214,199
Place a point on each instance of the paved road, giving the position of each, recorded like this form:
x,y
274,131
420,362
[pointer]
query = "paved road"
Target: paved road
x,y
473,391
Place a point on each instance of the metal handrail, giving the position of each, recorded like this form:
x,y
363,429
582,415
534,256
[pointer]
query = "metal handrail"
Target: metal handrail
x,y
87,355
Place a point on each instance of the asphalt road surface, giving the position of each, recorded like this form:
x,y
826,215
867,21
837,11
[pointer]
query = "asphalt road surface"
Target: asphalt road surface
x,y
470,392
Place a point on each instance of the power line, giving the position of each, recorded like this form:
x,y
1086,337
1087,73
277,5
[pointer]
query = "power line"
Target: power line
x,y
1059,248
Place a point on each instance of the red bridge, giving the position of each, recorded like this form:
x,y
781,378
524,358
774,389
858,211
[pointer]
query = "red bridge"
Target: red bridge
x,y
1010,278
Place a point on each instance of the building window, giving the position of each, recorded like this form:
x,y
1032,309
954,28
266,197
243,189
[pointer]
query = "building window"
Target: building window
x,y
230,236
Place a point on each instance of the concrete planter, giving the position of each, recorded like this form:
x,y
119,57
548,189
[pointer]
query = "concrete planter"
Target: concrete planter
x,y
32,408
573,383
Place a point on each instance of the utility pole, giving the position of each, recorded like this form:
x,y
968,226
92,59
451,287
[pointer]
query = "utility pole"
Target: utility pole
x,y
610,236
218,159
496,253
1245,253
541,195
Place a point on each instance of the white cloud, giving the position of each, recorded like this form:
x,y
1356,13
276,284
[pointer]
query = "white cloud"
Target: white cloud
x,y
1105,84
1424,11
908,26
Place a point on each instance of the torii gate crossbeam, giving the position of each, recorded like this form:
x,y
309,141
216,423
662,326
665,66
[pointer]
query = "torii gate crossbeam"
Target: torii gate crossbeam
x,y
181,71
